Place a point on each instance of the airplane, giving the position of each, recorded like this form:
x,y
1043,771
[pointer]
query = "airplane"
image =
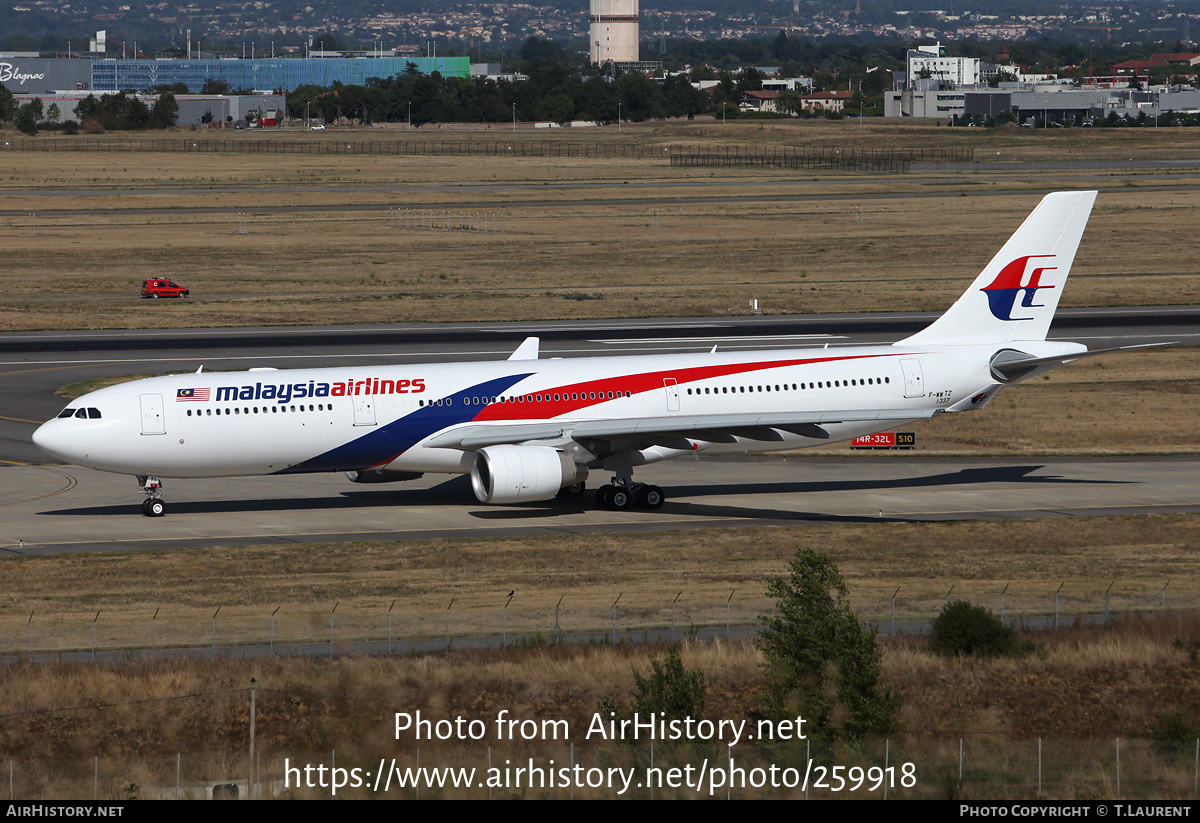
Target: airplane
x,y
529,429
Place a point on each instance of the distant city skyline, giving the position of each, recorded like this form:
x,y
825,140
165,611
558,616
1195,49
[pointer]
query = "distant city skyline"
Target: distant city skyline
x,y
288,25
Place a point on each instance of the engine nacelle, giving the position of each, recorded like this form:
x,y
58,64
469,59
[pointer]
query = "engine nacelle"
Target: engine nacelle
x,y
380,476
515,474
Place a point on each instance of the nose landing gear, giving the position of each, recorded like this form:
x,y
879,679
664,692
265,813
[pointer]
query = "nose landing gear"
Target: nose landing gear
x,y
153,505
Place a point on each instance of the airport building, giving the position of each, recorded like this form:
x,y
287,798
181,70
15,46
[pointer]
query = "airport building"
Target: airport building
x,y
43,76
1072,106
267,110
931,62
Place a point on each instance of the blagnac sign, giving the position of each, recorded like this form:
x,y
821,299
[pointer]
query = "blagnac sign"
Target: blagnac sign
x,y
9,72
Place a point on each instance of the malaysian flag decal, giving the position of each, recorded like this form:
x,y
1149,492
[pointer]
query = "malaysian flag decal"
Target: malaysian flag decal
x,y
184,395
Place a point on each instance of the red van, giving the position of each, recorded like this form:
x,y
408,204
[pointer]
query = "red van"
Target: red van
x,y
162,288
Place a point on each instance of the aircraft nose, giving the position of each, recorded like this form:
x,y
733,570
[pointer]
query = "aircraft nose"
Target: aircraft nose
x,y
49,438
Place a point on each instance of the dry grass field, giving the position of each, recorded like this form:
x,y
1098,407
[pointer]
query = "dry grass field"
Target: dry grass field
x,y
588,572
75,730
321,245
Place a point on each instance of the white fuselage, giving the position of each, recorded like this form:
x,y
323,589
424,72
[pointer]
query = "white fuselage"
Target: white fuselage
x,y
217,424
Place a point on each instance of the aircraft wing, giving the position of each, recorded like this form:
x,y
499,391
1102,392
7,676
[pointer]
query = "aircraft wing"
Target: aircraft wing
x,y
671,431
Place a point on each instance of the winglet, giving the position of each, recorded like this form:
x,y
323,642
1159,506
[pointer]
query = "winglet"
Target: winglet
x,y
527,350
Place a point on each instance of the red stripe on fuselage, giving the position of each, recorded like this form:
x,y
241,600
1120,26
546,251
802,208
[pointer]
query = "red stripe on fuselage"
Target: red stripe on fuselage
x,y
548,408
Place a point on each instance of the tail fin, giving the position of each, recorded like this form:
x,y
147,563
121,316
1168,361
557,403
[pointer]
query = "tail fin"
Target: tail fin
x,y
1015,296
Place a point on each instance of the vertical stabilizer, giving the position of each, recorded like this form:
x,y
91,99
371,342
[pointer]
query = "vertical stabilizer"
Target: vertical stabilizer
x,y
1015,296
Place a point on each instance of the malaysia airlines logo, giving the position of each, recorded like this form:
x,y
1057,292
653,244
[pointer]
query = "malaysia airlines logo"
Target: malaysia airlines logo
x,y
1012,284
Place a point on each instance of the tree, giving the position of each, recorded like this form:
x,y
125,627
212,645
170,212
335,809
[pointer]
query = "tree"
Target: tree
x,y
535,48
164,112
820,662
26,120
212,86
53,113
790,102
326,42
749,79
8,104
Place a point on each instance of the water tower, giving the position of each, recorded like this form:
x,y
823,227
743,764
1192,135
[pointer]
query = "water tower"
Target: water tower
x,y
613,31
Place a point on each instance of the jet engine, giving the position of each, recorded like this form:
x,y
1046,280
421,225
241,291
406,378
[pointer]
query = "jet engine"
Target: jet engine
x,y
516,474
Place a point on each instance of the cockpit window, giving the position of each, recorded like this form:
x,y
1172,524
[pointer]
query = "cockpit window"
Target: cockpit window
x,y
93,414
81,413
67,413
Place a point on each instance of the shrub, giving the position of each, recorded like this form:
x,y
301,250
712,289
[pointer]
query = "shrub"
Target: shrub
x,y
821,662
1174,732
970,630
668,690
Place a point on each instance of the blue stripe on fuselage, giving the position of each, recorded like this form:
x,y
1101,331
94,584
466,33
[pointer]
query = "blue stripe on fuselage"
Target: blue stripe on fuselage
x,y
382,445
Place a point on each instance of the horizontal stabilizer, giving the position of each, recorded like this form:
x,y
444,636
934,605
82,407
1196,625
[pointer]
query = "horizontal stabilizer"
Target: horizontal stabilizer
x,y
1010,365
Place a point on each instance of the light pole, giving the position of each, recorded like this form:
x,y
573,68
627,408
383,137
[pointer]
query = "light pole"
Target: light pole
x,y
410,115
514,109
618,117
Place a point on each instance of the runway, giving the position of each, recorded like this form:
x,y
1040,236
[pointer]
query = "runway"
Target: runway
x,y
49,510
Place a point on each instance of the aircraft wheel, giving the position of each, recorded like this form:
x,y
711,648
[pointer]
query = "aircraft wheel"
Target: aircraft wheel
x,y
573,490
650,497
154,507
604,496
620,498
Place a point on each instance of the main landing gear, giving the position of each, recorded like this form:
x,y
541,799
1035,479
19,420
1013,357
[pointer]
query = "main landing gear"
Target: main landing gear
x,y
622,495
153,505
